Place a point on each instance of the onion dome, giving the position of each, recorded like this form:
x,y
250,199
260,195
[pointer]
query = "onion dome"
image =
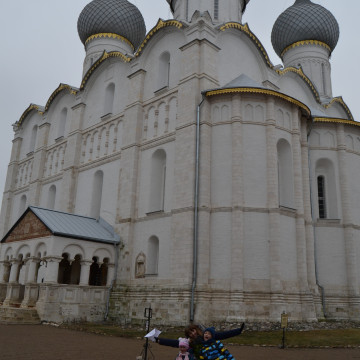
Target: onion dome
x,y
112,16
304,21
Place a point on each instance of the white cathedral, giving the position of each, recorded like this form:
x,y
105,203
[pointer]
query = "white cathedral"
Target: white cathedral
x,y
187,173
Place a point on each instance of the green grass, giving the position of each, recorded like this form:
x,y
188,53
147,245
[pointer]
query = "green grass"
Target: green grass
x,y
314,338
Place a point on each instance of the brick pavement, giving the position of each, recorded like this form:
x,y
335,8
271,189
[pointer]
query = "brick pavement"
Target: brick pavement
x,y
28,342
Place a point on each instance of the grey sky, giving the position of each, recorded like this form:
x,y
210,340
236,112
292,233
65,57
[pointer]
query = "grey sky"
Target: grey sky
x,y
41,49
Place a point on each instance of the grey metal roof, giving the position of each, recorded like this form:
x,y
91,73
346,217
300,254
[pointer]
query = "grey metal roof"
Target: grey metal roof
x,y
243,81
76,226
112,16
304,21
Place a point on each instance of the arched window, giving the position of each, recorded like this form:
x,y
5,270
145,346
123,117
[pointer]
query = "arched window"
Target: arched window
x,y
22,205
109,99
157,181
95,273
326,189
97,194
164,70
51,197
216,9
33,139
75,270
285,174
64,274
62,123
321,196
104,272
152,256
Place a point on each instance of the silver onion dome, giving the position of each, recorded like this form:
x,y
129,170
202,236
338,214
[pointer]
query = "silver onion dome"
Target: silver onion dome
x,y
304,21
112,16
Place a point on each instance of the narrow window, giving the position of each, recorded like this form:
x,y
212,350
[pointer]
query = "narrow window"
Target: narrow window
x,y
157,181
33,139
97,194
321,197
51,197
109,99
164,71
216,9
285,174
22,205
152,256
62,123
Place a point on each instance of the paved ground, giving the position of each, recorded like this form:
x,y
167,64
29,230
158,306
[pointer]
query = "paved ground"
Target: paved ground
x,y
20,342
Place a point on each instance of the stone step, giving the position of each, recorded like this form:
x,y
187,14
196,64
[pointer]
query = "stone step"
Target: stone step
x,y
15,315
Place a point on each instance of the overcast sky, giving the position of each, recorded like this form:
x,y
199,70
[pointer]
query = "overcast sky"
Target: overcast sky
x,y
41,49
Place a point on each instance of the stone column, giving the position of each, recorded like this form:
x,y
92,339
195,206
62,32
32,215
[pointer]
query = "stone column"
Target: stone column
x,y
52,271
110,274
85,272
14,270
276,288
33,262
349,238
2,271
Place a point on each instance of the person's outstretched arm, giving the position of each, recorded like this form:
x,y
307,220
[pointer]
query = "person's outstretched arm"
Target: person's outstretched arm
x,y
168,342
230,333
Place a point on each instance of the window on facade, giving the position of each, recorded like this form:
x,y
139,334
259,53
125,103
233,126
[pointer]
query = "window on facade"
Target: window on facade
x,y
152,256
285,174
216,9
22,205
51,197
97,194
321,197
33,138
98,273
326,188
164,70
109,99
62,123
157,181
64,274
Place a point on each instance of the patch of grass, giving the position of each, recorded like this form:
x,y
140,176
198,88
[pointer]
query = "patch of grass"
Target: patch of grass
x,y
313,338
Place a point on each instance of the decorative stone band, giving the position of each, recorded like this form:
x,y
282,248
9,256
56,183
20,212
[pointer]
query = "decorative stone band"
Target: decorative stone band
x,y
109,35
160,24
245,28
259,91
304,43
102,58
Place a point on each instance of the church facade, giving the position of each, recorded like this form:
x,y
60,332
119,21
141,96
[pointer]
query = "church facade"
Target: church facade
x,y
230,182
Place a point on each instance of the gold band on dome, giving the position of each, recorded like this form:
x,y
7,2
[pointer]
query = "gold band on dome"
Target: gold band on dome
x,y
109,35
303,43
259,91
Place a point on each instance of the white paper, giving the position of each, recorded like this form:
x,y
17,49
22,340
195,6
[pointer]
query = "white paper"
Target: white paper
x,y
153,334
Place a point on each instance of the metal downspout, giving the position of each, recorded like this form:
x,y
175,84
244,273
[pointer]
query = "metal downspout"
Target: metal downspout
x,y
116,246
196,202
322,291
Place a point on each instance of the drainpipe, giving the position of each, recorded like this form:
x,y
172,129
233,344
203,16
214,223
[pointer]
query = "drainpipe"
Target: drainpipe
x,y
196,204
116,247
322,290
